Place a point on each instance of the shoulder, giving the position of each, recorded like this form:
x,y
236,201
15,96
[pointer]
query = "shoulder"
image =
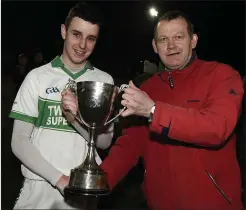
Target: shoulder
x,y
102,75
41,70
225,71
222,75
218,70
37,73
100,72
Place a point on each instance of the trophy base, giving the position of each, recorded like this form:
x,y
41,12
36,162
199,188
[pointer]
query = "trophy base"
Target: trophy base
x,y
71,192
87,182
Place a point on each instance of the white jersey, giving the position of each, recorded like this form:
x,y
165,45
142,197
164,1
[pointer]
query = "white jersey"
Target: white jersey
x,y
38,101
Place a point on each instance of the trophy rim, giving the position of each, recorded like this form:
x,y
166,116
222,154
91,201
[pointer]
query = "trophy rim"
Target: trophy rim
x,y
97,83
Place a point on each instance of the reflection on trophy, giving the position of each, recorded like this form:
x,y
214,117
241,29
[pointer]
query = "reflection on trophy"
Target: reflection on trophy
x,y
96,104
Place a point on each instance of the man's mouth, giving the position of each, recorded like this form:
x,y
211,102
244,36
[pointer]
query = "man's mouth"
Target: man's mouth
x,y
176,53
79,53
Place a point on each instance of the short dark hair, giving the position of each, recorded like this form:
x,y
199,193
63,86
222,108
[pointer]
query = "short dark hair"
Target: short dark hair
x,y
172,15
86,12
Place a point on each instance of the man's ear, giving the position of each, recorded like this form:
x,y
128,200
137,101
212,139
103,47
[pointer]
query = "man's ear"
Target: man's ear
x,y
194,41
63,31
154,45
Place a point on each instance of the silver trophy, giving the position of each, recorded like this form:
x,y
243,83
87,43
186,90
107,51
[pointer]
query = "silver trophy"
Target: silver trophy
x,y
96,102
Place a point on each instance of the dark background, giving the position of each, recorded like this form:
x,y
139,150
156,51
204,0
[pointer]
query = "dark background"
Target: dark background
x,y
127,33
125,40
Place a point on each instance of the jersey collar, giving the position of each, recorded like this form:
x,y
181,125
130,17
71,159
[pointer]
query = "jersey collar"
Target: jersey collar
x,y
57,63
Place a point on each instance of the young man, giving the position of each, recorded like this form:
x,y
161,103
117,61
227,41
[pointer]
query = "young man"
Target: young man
x,y
46,144
188,145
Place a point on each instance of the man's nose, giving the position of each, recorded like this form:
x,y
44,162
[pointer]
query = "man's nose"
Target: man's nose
x,y
170,44
82,43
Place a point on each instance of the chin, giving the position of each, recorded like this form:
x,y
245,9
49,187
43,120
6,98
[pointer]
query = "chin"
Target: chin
x,y
173,66
79,60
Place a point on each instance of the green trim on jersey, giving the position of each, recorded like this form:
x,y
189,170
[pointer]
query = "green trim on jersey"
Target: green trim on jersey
x,y
51,117
21,116
57,62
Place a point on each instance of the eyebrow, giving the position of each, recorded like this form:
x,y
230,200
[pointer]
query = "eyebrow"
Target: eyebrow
x,y
174,34
181,32
76,31
92,36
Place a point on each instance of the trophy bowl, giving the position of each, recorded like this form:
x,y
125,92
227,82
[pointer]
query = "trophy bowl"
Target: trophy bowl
x,y
96,103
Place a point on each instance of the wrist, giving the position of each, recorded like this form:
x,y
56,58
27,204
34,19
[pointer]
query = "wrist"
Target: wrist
x,y
56,176
62,180
151,114
74,122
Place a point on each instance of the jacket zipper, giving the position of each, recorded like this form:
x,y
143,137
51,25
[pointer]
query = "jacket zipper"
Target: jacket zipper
x,y
170,80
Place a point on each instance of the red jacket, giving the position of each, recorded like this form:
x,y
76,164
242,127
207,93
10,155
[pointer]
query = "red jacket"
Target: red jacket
x,y
189,148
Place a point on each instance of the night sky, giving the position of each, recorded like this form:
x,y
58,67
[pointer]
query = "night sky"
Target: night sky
x,y
125,40
127,34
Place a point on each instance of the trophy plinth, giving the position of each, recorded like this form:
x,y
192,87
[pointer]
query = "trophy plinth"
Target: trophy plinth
x,y
96,104
86,182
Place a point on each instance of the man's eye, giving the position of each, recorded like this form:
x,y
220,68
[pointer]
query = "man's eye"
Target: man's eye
x,y
76,34
91,39
179,37
162,39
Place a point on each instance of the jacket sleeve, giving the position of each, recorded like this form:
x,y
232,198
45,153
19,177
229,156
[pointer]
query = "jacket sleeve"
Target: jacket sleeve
x,y
214,122
124,154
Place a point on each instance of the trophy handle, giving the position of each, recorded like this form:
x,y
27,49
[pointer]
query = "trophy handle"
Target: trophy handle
x,y
79,119
72,86
121,88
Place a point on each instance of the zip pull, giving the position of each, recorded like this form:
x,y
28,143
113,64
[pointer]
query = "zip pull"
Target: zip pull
x,y
170,79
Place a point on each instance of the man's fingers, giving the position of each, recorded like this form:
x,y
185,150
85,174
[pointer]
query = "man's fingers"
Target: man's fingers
x,y
131,84
133,101
68,114
66,92
69,96
127,112
130,90
69,107
69,110
66,102
127,97
63,93
124,103
130,104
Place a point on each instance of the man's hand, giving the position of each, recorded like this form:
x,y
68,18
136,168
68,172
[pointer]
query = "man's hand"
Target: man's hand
x,y
62,183
136,101
69,102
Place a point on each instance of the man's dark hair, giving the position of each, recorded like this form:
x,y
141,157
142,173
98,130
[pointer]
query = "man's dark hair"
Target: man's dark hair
x,y
173,15
85,12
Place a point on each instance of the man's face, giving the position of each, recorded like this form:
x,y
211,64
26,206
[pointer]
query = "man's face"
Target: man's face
x,y
173,43
79,41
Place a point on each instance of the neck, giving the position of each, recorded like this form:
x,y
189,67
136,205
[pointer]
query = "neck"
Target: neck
x,y
72,68
189,61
